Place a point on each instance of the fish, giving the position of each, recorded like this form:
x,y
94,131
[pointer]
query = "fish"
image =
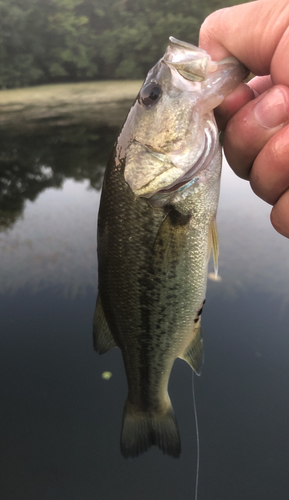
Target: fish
x,y
156,231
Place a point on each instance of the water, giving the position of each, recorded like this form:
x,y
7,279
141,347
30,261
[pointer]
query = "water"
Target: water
x,y
59,419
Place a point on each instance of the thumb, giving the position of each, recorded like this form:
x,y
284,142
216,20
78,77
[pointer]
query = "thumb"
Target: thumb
x,y
256,33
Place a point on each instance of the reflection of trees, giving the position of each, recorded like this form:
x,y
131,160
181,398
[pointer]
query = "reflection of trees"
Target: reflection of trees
x,y
35,160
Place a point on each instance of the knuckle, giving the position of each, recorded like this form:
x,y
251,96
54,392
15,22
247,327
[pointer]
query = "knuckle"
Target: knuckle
x,y
210,29
280,216
277,151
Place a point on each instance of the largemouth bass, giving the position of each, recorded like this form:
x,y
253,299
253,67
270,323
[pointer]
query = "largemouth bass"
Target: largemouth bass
x,y
156,229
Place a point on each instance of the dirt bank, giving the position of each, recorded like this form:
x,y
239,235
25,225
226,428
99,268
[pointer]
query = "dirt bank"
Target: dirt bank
x,y
65,104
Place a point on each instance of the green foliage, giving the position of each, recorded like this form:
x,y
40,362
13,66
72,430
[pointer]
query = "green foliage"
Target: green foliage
x,y
17,65
45,41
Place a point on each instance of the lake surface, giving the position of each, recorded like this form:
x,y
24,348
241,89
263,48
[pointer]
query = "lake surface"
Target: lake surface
x,y
60,420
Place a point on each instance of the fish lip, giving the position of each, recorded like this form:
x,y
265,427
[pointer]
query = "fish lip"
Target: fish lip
x,y
190,177
192,63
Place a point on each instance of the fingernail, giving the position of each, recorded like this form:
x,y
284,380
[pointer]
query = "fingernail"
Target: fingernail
x,y
271,110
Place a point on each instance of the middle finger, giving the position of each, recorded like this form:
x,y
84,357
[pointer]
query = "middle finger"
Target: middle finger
x,y
252,126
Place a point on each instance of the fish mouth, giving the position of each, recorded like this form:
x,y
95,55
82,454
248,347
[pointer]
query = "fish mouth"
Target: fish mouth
x,y
191,176
191,62
201,163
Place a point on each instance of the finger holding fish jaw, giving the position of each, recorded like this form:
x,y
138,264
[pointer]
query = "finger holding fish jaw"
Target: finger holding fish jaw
x,y
255,116
256,142
256,145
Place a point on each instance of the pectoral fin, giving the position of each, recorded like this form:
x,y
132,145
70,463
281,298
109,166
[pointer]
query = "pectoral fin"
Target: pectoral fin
x,y
194,354
102,338
170,239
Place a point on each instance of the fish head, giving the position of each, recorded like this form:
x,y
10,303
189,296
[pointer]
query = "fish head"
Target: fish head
x,y
173,134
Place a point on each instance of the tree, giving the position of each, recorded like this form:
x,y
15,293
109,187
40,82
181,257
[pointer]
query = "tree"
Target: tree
x,y
68,40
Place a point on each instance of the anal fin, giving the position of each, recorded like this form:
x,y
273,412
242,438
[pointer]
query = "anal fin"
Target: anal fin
x,y
194,353
102,339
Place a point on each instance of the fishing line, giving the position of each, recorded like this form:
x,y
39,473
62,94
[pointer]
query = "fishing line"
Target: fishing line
x,y
197,436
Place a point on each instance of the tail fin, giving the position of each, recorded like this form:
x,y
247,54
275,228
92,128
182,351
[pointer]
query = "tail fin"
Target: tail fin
x,y
141,430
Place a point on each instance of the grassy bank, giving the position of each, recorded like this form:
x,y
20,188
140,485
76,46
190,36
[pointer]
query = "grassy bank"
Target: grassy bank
x,y
65,104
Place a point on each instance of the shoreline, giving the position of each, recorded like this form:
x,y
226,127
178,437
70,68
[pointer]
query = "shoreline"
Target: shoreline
x,y
104,102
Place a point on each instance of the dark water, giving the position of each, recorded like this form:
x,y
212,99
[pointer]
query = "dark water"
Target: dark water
x,y
59,419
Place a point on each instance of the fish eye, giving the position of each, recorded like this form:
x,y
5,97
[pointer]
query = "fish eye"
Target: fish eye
x,y
150,94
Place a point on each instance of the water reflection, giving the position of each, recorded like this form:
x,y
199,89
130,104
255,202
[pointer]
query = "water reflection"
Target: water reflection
x,y
60,419
49,194
53,243
38,159
252,253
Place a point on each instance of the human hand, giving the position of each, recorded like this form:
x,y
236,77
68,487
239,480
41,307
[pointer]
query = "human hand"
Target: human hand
x,y
255,116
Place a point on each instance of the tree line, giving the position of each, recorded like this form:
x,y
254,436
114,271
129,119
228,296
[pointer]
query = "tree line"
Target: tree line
x,y
48,41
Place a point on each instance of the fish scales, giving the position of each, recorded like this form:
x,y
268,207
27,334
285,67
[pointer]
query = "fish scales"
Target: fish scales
x,y
156,228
